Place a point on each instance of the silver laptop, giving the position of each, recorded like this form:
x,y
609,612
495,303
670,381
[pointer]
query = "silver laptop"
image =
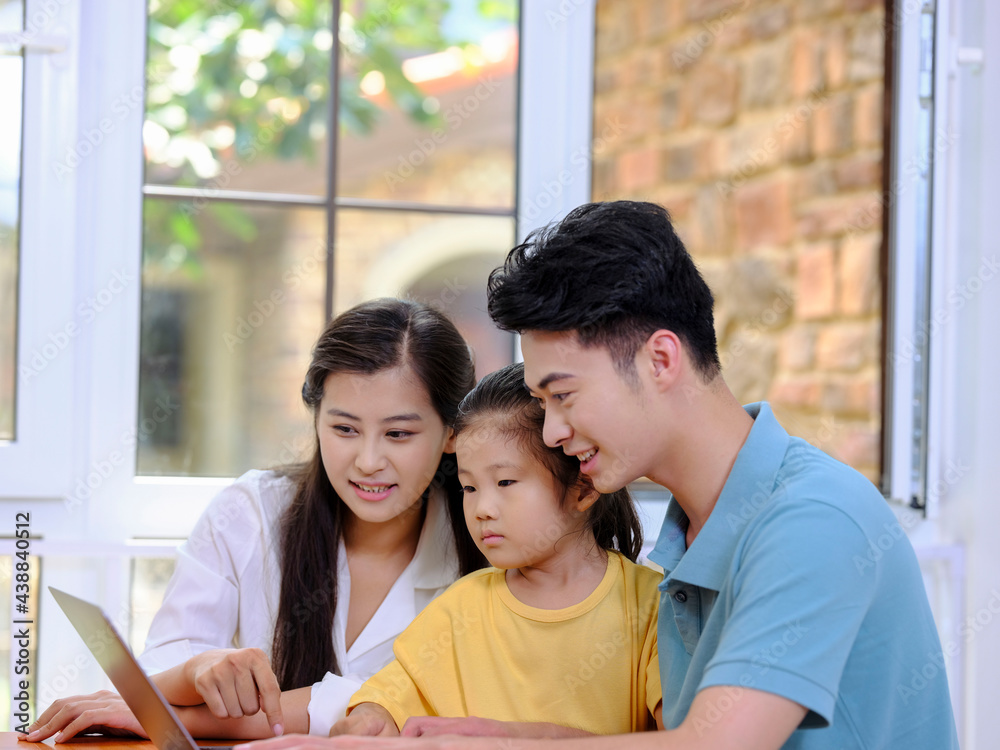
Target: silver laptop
x,y
151,710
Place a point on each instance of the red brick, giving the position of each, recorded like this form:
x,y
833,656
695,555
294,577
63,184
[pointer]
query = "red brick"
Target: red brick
x,y
797,348
816,282
856,395
674,106
859,171
766,23
815,9
833,126
807,62
835,216
814,181
711,227
860,284
869,111
638,169
857,446
859,6
835,56
765,75
867,59
705,10
763,214
845,346
714,88
795,391
686,161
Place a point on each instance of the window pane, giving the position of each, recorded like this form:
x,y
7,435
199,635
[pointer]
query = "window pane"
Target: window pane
x,y
440,259
441,127
150,576
238,95
232,303
11,92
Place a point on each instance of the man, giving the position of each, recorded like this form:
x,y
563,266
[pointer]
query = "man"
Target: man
x,y
792,610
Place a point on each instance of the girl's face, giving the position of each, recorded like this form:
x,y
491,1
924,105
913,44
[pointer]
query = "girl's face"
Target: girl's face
x,y
513,503
381,441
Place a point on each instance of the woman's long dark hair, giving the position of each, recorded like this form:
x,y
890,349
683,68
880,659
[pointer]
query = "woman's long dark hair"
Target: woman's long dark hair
x,y
502,398
366,339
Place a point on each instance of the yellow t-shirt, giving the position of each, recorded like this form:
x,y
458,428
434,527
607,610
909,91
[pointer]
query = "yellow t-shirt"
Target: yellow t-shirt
x,y
478,651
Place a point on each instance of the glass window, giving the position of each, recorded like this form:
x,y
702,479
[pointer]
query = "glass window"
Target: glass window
x,y
11,94
251,195
238,95
232,302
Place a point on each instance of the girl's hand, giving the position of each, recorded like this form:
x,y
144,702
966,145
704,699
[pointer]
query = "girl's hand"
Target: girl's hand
x,y
103,712
236,682
368,719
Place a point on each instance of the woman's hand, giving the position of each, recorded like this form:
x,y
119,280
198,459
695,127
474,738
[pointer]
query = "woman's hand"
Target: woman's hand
x,y
232,682
103,712
368,719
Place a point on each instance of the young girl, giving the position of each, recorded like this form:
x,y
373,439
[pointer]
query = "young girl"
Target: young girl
x,y
313,571
562,629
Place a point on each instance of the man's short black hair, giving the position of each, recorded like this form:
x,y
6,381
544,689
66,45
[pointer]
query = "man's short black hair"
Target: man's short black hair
x,y
614,273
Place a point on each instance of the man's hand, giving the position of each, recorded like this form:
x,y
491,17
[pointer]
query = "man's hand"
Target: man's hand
x,y
368,719
472,726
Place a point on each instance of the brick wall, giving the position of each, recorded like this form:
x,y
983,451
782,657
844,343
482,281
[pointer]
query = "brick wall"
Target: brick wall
x,y
759,126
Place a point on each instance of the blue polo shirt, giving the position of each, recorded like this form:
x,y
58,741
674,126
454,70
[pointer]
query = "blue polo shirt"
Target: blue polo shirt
x,y
802,583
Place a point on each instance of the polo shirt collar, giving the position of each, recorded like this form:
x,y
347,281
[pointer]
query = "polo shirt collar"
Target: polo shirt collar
x,y
749,485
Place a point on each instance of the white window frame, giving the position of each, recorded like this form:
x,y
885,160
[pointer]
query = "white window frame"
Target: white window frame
x,y
37,462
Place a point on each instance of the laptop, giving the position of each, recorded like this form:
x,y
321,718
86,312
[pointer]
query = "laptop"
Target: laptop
x,y
151,710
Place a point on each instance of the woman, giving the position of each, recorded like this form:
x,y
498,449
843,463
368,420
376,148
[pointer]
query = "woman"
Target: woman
x,y
311,572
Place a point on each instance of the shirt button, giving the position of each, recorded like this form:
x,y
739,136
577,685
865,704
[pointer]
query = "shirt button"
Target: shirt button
x,y
681,597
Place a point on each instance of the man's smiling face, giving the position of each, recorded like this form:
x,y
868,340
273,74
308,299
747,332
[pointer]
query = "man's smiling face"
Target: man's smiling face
x,y
591,412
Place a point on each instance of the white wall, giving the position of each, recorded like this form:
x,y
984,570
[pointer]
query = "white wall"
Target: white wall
x,y
970,454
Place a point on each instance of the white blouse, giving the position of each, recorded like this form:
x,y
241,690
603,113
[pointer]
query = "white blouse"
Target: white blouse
x,y
225,589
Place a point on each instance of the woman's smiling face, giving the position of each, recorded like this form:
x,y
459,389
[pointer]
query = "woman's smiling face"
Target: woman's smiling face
x,y
381,440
